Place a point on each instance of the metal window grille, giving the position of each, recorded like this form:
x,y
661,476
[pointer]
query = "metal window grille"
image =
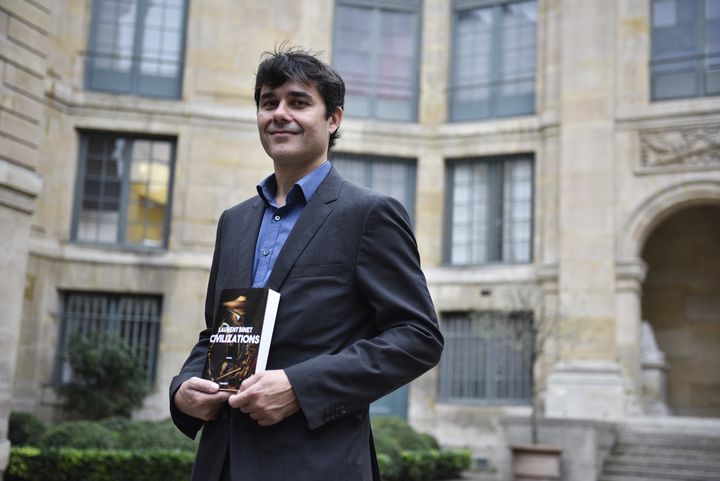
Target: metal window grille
x,y
493,59
391,176
137,47
123,190
490,210
377,53
685,49
133,318
488,357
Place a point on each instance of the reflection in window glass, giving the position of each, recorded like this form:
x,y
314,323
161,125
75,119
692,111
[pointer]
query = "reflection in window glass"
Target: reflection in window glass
x,y
376,52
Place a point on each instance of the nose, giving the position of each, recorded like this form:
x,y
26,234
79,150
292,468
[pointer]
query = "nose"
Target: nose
x,y
281,114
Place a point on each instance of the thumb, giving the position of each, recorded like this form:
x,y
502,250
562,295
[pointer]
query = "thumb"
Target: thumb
x,y
203,385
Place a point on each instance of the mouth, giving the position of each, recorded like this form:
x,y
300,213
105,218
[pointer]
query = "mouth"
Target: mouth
x,y
283,131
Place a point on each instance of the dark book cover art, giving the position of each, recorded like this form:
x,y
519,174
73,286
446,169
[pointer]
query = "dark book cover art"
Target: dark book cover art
x,y
241,335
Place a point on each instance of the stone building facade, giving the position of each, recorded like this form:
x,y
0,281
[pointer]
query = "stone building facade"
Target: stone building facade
x,y
553,168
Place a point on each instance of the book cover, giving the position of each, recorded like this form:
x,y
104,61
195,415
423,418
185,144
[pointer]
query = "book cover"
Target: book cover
x,y
241,335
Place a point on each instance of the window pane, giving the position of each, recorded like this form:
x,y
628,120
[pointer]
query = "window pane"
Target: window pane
x,y
118,62
494,61
491,205
121,206
148,193
685,48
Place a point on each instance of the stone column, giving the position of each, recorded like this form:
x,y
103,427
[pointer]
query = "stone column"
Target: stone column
x,y
23,65
588,383
629,277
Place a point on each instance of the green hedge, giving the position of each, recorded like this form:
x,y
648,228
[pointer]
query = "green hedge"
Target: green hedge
x,y
122,449
28,463
68,464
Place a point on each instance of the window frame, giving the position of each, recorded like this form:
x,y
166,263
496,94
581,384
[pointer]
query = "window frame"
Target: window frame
x,y
155,325
80,177
412,6
91,83
495,62
495,188
487,361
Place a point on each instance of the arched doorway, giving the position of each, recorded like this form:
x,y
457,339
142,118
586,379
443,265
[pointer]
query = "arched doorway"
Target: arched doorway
x,y
681,301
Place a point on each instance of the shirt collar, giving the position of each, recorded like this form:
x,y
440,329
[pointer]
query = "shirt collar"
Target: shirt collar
x,y
304,188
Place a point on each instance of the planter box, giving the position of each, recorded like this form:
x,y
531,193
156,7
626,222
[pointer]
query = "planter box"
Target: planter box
x,y
536,462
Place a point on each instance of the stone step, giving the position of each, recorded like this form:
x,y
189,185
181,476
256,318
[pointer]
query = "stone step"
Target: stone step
x,y
659,474
650,439
698,465
672,458
666,451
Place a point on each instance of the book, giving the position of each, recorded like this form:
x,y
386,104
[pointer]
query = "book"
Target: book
x,y
241,335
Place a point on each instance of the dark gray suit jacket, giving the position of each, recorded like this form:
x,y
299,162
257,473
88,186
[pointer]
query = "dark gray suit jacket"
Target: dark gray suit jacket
x,y
355,322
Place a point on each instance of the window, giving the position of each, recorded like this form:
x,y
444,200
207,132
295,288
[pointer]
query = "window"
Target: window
x,y
490,204
493,60
391,176
375,49
133,318
488,357
123,190
136,47
685,48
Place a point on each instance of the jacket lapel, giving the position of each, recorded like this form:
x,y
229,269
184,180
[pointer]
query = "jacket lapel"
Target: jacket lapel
x,y
247,239
321,204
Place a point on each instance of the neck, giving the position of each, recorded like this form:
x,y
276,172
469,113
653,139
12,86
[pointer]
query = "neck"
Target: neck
x,y
287,175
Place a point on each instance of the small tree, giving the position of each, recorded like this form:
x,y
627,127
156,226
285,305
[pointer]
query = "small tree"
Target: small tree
x,y
107,379
543,328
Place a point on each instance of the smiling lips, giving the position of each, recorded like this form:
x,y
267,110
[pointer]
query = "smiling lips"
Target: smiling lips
x,y
284,130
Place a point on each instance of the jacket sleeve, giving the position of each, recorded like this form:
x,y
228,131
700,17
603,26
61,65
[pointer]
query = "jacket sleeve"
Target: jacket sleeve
x,y
195,363
408,341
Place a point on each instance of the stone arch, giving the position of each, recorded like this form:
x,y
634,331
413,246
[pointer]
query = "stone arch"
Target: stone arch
x,y
658,207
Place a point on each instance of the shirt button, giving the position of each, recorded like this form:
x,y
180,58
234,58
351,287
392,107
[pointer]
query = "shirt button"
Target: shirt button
x,y
277,217
265,252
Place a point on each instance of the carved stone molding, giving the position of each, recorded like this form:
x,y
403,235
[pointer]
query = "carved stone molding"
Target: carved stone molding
x,y
682,146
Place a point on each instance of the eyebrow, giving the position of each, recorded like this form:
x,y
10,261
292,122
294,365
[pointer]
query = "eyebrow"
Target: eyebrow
x,y
292,93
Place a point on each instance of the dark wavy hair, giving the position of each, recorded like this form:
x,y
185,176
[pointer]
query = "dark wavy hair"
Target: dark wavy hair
x,y
299,65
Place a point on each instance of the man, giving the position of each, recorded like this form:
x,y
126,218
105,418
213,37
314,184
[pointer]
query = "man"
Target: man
x,y
355,319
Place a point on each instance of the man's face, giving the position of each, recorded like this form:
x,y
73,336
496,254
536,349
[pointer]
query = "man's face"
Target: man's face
x,y
292,124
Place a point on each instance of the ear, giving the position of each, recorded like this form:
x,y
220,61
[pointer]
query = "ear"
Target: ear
x,y
335,119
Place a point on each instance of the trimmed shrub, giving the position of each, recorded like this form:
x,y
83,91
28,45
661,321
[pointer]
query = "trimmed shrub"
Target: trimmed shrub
x,y
401,434
108,379
407,455
32,464
139,435
79,435
450,464
24,429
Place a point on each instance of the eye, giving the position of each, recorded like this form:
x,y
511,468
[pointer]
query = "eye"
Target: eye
x,y
268,104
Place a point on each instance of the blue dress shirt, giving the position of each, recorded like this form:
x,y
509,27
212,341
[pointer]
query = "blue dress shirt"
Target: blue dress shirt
x,y
279,221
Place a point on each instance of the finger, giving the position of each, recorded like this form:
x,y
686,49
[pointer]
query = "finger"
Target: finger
x,y
250,381
238,400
